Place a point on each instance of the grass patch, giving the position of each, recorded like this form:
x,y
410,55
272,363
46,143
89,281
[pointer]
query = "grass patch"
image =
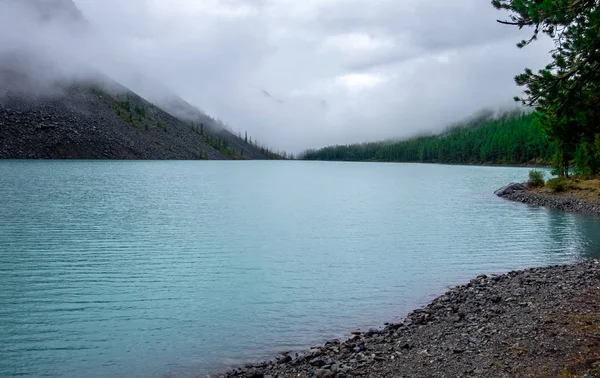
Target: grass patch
x,y
560,184
587,190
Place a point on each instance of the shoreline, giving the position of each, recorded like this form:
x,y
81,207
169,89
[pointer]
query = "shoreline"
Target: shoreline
x,y
534,322
518,192
435,163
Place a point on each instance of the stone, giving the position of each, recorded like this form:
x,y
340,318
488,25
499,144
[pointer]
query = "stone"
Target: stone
x,y
284,358
324,373
508,344
317,361
510,189
254,374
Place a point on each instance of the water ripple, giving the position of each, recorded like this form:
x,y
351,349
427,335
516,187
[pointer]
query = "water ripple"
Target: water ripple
x,y
152,269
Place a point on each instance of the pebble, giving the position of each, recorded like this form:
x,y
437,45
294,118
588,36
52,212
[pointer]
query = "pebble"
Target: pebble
x,y
497,336
520,193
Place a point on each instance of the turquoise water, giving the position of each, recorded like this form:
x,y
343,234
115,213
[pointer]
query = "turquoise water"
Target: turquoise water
x,y
158,269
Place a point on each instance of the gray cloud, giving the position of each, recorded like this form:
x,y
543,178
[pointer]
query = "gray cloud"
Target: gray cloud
x,y
336,71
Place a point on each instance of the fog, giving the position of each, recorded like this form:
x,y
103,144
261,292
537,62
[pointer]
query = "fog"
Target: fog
x,y
293,74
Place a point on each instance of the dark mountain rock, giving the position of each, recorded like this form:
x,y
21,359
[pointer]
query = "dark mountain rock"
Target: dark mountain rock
x,y
47,114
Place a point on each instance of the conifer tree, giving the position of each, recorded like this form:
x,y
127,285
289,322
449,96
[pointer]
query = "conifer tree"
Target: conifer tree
x,y
565,92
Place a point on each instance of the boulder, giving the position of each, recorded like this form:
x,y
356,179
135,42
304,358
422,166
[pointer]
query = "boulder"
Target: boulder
x,y
509,189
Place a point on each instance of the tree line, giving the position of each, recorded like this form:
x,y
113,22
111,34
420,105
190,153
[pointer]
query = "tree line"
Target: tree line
x,y
512,138
565,126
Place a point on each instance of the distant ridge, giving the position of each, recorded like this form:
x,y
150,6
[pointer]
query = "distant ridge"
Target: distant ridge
x,y
63,117
512,138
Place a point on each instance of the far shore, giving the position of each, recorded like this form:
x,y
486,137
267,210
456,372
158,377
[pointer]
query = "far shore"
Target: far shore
x,y
526,165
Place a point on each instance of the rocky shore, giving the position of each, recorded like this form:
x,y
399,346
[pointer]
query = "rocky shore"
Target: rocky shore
x,y
563,201
539,322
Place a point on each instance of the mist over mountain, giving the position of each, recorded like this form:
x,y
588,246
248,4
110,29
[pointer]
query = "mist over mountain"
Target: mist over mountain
x,y
336,72
48,10
58,98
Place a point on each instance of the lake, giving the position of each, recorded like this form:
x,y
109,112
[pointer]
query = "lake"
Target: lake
x,y
164,269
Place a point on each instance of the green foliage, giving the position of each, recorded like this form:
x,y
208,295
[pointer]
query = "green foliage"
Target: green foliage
x,y
510,139
566,91
560,184
219,144
587,158
125,104
141,111
536,178
557,163
125,116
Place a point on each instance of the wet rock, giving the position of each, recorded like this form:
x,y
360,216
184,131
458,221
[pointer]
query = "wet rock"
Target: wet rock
x,y
510,189
284,358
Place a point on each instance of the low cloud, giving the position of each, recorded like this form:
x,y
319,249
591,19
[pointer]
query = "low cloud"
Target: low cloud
x,y
336,71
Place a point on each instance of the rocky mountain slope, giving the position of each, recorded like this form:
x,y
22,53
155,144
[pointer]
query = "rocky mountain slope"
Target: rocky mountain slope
x,y
55,116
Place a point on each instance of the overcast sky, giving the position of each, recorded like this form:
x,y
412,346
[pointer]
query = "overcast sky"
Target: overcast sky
x,y
299,74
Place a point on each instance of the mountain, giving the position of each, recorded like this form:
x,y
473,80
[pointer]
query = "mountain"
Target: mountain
x,y
45,113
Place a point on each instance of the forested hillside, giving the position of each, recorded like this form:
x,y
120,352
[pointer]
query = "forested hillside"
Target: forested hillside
x,y
565,128
513,138
565,92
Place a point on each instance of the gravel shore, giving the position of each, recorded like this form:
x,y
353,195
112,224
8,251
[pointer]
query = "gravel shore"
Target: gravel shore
x,y
539,322
562,201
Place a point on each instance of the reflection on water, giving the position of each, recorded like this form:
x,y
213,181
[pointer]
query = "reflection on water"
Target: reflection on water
x,y
154,269
574,234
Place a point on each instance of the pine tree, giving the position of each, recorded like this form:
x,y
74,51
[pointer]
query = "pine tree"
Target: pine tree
x,y
565,92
